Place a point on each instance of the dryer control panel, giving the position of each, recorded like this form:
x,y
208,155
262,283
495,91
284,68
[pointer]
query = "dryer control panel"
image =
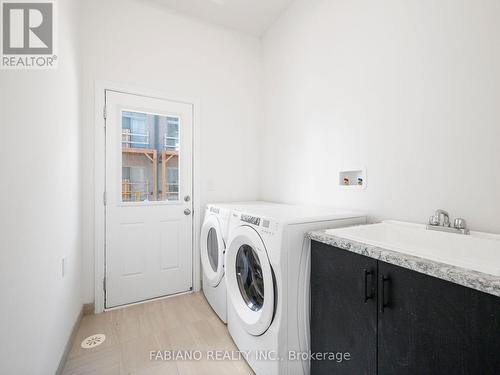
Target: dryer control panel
x,y
214,210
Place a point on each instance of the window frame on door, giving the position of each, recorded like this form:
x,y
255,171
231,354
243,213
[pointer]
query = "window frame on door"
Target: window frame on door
x,y
100,89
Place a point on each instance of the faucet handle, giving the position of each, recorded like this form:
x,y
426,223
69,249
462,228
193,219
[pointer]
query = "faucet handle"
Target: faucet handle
x,y
460,223
434,220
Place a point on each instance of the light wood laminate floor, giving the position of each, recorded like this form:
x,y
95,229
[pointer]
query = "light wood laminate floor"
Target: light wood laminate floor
x,y
184,322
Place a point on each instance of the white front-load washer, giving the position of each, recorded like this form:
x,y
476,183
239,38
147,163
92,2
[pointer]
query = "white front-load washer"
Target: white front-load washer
x,y
267,278
213,240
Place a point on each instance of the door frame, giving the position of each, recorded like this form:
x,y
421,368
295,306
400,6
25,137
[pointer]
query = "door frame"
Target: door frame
x,y
100,181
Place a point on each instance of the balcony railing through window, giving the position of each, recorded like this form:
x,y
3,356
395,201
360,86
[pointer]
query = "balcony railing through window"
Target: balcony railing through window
x,y
170,143
134,140
135,191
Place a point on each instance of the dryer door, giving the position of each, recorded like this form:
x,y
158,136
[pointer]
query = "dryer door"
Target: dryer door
x,y
212,250
249,279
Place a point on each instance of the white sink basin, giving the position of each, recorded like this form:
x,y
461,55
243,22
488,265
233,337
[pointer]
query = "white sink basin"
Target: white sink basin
x,y
477,251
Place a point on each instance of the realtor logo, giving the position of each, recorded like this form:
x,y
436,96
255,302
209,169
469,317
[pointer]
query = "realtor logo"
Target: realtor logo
x,y
28,35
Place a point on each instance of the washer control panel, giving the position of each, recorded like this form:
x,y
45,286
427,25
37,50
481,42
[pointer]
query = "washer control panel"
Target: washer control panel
x,y
264,225
250,219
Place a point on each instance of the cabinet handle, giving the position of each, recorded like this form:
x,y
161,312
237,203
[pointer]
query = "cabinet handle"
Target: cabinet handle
x,y
383,280
367,297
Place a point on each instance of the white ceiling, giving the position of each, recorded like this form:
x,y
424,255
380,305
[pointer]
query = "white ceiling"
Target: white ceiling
x,y
250,16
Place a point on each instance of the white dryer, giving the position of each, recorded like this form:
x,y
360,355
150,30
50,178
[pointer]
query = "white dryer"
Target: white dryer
x,y
267,278
213,240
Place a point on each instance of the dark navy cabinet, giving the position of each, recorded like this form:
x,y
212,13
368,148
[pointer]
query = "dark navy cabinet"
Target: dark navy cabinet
x,y
392,320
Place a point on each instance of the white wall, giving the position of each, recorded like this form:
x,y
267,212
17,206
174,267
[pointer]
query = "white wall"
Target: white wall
x,y
143,44
40,199
409,89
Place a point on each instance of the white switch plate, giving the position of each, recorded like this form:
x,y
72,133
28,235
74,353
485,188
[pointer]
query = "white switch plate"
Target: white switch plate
x,y
210,185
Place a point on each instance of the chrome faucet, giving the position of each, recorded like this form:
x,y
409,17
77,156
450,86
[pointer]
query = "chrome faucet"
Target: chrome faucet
x,y
436,218
459,225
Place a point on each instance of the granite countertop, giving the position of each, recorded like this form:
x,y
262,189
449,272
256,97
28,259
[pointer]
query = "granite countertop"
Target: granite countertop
x,y
473,279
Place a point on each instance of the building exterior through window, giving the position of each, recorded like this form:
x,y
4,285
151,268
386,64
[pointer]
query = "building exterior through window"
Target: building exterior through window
x,y
150,157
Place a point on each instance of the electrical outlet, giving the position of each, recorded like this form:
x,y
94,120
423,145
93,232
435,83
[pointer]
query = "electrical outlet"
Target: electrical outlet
x,y
64,266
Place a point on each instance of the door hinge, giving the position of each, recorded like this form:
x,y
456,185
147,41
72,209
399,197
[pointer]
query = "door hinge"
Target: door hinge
x,y
104,114
104,283
104,198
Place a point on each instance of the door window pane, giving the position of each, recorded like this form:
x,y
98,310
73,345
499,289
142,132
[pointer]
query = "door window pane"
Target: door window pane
x,y
150,157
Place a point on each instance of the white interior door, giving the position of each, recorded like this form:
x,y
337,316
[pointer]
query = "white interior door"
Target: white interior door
x,y
148,198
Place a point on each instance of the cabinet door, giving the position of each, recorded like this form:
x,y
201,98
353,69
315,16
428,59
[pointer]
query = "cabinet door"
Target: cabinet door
x,y
422,324
483,333
342,319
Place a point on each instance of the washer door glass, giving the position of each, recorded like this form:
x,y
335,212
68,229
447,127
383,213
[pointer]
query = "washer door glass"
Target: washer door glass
x,y
249,277
213,249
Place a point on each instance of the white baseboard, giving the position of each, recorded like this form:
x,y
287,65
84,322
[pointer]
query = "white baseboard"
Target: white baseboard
x,y
62,362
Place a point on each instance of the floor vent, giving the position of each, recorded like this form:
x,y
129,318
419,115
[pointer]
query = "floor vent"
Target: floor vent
x,y
93,341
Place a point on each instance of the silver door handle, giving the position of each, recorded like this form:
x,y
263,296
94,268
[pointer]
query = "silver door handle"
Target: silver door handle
x,y
187,212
